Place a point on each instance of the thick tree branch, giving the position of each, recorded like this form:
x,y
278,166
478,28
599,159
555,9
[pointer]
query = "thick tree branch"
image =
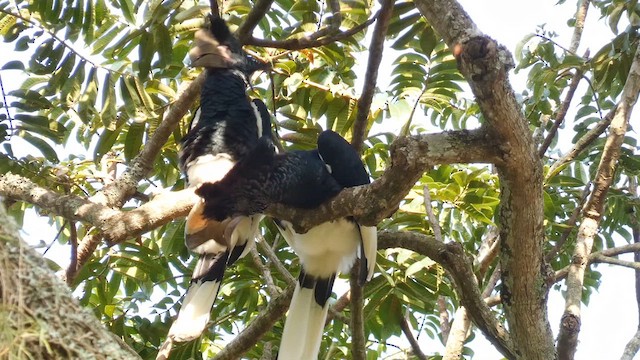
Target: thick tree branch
x,y
485,65
356,305
376,48
453,259
410,156
592,213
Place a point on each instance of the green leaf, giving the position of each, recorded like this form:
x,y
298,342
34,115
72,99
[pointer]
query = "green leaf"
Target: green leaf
x,y
13,65
108,113
42,146
146,52
163,45
133,142
127,10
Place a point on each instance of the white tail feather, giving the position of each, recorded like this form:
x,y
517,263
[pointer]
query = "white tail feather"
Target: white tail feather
x,y
195,311
303,328
370,243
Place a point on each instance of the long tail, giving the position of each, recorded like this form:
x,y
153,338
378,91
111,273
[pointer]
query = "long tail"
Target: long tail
x,y
304,326
368,250
196,306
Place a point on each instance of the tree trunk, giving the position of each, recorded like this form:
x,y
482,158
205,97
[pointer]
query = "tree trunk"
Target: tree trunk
x,y
39,319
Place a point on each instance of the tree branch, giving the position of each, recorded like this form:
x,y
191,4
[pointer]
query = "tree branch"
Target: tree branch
x,y
358,339
593,257
309,41
570,325
587,139
581,15
252,19
376,49
562,112
415,346
272,289
120,191
485,65
578,27
632,347
410,156
454,260
258,327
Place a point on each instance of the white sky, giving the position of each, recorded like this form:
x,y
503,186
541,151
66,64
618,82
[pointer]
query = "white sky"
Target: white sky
x,y
612,316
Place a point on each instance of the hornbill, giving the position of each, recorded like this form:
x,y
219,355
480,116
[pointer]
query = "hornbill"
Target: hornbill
x,y
223,131
302,179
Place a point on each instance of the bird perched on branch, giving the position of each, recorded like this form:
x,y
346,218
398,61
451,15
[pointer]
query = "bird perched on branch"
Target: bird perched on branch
x,y
223,131
303,179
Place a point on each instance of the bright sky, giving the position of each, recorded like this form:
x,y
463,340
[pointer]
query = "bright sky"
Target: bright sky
x,y
612,316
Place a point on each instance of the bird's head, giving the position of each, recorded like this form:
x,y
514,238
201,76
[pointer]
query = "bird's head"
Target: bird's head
x,y
217,48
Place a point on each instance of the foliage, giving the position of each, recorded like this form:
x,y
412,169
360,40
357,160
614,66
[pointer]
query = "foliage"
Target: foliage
x,y
99,75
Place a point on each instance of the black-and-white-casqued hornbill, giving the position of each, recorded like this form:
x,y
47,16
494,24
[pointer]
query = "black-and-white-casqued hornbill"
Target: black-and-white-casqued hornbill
x,y
223,131
303,179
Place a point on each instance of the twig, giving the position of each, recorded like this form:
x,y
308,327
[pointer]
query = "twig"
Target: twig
x,y
268,252
376,49
307,42
599,258
55,238
562,273
342,302
272,289
587,139
73,264
562,112
406,330
6,105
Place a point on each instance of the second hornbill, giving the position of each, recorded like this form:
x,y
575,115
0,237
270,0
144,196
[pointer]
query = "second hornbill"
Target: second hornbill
x,y
302,179
224,130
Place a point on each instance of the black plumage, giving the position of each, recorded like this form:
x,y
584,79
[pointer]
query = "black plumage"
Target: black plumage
x,y
302,179
225,129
